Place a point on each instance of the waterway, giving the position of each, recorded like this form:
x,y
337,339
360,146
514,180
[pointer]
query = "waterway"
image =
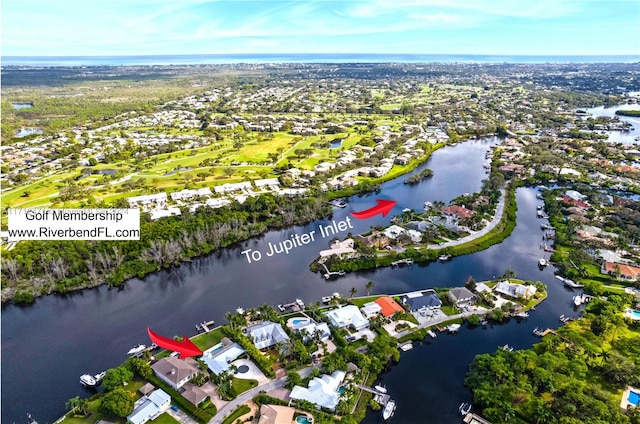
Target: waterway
x,y
625,137
48,345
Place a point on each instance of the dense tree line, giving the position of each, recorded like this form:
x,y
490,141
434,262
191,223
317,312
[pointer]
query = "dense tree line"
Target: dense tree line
x,y
41,267
571,377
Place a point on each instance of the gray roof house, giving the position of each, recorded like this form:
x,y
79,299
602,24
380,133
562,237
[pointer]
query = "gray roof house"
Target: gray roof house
x,y
173,371
461,296
267,334
417,300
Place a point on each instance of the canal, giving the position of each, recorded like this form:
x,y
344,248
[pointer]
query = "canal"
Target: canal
x,y
48,345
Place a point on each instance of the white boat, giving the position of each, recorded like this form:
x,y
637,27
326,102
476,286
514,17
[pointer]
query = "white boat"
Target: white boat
x,y
577,300
507,348
464,408
453,328
444,258
326,299
380,388
88,380
389,409
522,315
300,303
136,350
542,262
431,334
92,380
407,346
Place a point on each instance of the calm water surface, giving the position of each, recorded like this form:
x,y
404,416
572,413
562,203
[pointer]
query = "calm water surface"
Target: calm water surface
x,y
48,345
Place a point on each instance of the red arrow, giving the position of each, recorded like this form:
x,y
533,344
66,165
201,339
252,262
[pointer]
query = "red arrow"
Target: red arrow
x,y
186,348
383,206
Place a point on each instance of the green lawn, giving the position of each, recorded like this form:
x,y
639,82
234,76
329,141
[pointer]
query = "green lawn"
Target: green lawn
x,y
240,385
242,409
360,301
206,340
165,418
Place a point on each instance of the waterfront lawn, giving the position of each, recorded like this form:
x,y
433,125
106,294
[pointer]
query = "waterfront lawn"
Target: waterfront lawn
x,y
206,340
242,409
360,301
165,418
240,385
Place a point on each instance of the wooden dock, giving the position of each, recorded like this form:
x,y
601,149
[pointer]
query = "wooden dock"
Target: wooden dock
x,y
406,261
472,418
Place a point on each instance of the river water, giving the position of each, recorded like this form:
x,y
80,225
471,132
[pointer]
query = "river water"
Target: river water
x,y
48,345
625,137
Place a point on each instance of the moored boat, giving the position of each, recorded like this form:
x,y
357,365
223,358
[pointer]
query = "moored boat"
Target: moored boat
x,y
136,350
431,334
380,388
464,408
444,258
453,328
389,409
542,262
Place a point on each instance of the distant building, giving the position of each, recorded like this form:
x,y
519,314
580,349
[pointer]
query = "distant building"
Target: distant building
x,y
457,211
623,271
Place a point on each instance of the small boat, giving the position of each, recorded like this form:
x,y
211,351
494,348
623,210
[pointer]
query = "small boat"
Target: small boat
x,y
407,346
444,258
464,408
389,409
300,303
453,328
326,299
577,300
240,310
542,262
431,334
136,350
92,380
522,315
380,388
507,348
428,205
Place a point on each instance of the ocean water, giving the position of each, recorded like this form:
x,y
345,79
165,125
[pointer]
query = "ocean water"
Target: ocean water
x,y
300,58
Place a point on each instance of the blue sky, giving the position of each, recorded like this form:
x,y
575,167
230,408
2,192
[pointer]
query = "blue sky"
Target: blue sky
x,y
508,27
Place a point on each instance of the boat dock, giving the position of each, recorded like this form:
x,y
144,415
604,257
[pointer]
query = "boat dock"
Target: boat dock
x,y
328,274
472,418
381,398
405,346
406,261
205,326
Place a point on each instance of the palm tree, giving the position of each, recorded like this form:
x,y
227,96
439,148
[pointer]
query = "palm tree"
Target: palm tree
x,y
369,287
353,291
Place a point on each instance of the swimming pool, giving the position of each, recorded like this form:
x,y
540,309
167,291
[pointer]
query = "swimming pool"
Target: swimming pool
x,y
635,313
341,389
634,398
303,420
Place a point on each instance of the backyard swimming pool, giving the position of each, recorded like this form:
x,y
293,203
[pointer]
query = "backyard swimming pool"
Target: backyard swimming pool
x,y
634,398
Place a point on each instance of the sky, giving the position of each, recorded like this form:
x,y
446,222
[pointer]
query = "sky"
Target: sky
x,y
168,27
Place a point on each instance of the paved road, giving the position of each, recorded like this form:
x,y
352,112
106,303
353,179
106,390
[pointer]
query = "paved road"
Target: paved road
x,y
246,397
494,222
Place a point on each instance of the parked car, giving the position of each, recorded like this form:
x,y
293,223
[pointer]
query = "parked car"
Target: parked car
x,y
175,408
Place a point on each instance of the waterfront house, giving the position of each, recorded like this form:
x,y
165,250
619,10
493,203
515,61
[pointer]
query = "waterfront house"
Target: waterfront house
x,y
456,211
388,306
276,414
308,328
173,371
267,334
219,357
153,405
371,310
417,301
515,291
348,315
322,391
461,296
620,270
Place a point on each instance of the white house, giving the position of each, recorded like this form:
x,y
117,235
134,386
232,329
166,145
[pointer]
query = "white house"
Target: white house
x,y
515,290
371,309
219,357
148,199
322,391
347,315
267,334
173,371
155,404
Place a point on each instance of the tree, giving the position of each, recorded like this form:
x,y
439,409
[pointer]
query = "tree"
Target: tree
x,y
140,367
293,379
509,273
353,291
118,402
80,405
114,378
370,286
470,284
